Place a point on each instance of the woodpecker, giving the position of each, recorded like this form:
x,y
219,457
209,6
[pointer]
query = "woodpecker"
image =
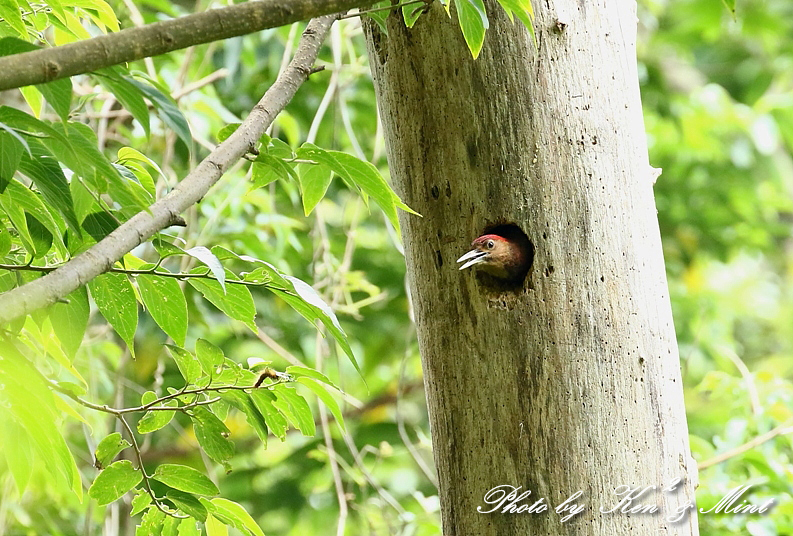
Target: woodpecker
x,y
507,258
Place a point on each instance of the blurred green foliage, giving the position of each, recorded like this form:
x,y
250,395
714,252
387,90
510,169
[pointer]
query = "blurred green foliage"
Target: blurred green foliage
x,y
717,91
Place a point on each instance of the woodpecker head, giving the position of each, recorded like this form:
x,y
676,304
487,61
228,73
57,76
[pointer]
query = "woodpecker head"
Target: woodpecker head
x,y
505,258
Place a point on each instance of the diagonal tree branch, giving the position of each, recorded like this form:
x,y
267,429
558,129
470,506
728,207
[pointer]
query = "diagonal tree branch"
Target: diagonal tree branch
x,y
50,64
100,258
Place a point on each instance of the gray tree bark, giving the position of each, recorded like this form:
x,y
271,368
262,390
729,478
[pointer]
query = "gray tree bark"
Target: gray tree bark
x,y
571,381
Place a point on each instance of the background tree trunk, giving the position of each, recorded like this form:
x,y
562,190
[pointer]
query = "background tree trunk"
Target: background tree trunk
x,y
571,382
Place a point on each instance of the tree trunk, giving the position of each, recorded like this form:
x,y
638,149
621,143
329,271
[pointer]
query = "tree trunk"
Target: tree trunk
x,y
571,381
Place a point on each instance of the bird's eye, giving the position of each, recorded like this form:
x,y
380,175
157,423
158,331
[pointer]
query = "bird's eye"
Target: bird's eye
x,y
490,244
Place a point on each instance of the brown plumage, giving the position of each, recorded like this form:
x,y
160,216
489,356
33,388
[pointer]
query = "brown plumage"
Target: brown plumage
x,y
504,258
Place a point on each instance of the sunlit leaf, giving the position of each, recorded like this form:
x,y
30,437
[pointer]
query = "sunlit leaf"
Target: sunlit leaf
x,y
165,302
109,447
233,515
185,479
473,22
207,257
154,420
187,503
69,320
114,481
326,398
115,299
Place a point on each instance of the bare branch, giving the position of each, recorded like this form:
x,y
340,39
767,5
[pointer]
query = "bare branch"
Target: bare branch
x,y
132,44
100,258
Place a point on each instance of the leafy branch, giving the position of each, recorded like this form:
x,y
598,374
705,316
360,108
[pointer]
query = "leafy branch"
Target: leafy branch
x,y
46,65
157,405
153,406
151,271
101,257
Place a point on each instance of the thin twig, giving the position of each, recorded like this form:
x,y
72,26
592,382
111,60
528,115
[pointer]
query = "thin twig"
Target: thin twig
x,y
782,429
385,8
155,405
175,275
146,478
751,388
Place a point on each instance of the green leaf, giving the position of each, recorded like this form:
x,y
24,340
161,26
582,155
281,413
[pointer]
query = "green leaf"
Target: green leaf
x,y
521,9
109,447
69,320
9,10
47,175
299,410
326,398
127,93
14,134
16,200
309,304
42,238
170,526
154,420
224,133
380,16
215,527
277,165
366,175
232,514
83,156
276,422
165,302
18,453
133,183
16,214
165,248
297,372
188,365
280,149
140,501
242,402
185,479
473,22
207,257
152,523
99,224
105,14
210,356
412,12
263,174
360,173
168,110
5,245
11,117
187,527
187,503
212,435
126,155
140,175
314,182
236,302
114,481
29,402
115,299
10,155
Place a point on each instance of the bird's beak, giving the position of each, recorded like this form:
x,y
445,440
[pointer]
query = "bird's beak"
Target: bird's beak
x,y
472,257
